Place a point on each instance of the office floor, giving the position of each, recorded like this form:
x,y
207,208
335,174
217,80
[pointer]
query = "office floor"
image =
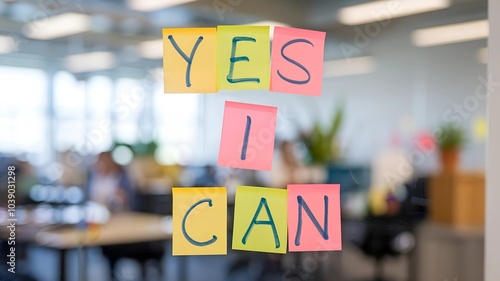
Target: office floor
x,y
349,265
43,263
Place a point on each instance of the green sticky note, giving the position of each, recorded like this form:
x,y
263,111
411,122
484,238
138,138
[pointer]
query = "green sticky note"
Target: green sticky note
x,y
243,57
260,220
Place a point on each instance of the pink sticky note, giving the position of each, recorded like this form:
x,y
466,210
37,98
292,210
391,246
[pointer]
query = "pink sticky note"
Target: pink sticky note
x,y
247,139
297,61
314,217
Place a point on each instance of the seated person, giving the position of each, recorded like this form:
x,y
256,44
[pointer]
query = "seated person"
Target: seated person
x,y
110,185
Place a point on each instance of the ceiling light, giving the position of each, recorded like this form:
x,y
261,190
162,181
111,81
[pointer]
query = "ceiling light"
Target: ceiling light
x,y
151,49
449,34
387,9
7,44
59,26
347,67
482,55
90,62
151,5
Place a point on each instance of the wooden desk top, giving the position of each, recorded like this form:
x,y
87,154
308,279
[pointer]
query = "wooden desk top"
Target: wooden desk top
x,y
122,228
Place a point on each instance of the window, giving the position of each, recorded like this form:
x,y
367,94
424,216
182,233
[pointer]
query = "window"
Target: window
x,y
99,127
127,110
23,113
69,112
178,127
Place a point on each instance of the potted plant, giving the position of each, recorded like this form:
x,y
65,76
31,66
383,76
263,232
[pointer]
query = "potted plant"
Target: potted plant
x,y
450,140
322,146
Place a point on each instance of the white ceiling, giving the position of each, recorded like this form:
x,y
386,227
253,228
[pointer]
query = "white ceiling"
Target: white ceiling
x,y
118,29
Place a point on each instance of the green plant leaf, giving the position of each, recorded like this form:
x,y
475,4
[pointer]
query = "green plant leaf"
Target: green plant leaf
x,y
322,146
450,136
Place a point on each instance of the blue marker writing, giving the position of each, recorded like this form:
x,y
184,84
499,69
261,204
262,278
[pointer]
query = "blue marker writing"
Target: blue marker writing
x,y
245,139
184,232
270,222
299,82
235,59
303,205
189,59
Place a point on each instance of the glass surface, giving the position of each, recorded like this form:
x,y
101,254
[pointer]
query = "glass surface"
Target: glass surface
x,y
93,156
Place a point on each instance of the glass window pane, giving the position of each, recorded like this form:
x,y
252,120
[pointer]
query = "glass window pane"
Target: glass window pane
x,y
23,113
127,109
177,126
100,92
69,109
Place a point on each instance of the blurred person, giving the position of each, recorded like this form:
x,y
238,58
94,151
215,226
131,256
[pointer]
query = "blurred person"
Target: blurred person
x,y
288,168
110,185
72,166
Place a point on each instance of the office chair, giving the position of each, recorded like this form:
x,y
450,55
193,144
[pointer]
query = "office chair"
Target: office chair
x,y
145,251
394,236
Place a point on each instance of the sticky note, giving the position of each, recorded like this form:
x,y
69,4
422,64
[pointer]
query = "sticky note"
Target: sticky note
x,y
247,139
314,217
297,65
260,218
480,128
189,60
243,57
199,219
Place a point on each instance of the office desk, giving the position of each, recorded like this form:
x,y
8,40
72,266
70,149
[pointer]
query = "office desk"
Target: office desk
x,y
122,228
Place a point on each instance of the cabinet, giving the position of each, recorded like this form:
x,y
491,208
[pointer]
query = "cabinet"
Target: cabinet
x,y
457,199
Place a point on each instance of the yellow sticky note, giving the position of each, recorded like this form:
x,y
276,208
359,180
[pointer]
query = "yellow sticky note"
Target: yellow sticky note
x,y
199,221
243,57
260,219
480,128
189,60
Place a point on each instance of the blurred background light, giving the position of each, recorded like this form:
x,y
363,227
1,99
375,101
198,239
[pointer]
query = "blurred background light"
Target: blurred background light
x,y
72,214
93,61
122,155
347,67
387,9
74,195
167,155
43,214
152,49
452,33
59,26
151,5
7,44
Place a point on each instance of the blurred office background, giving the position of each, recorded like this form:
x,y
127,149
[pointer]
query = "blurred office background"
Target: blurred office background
x,y
82,109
